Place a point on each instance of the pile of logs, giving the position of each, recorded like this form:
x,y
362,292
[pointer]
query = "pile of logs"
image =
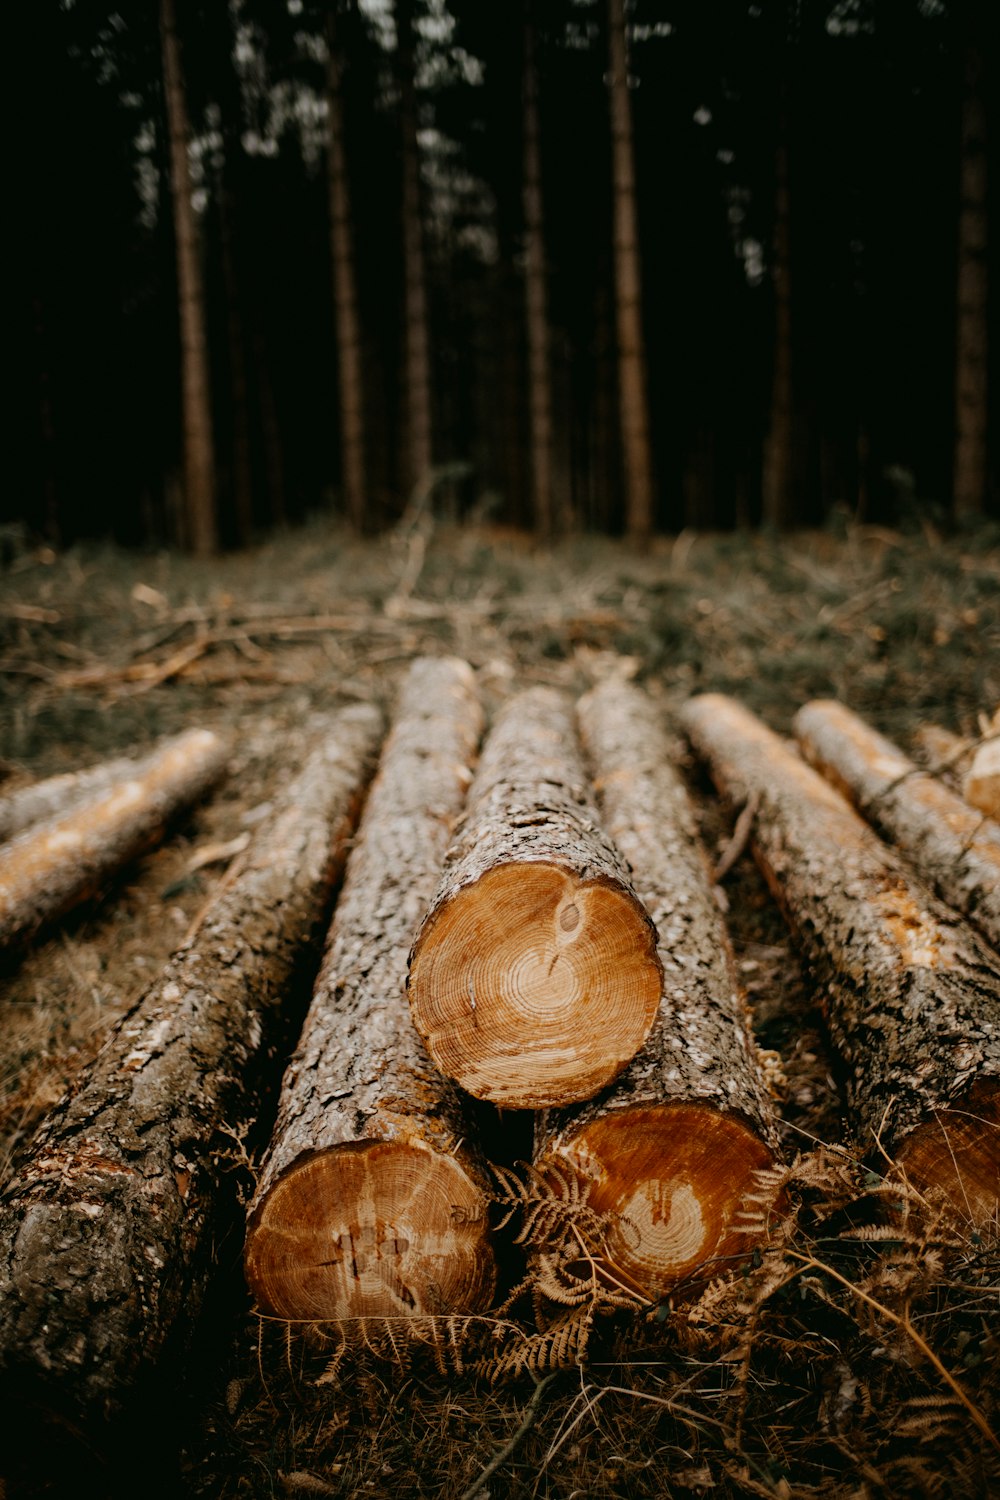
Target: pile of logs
x,y
533,925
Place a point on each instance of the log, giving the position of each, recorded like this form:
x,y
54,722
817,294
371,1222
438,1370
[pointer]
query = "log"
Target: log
x,y
912,996
57,794
53,866
952,847
369,1204
669,1150
972,767
110,1229
534,977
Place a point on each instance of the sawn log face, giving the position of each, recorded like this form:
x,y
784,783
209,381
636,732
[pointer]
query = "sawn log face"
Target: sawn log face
x,y
534,977
951,846
369,1204
671,1146
109,1231
913,997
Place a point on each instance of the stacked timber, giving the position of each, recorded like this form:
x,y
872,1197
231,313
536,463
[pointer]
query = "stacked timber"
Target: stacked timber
x,y
912,996
669,1151
54,865
534,978
109,1231
952,847
371,1202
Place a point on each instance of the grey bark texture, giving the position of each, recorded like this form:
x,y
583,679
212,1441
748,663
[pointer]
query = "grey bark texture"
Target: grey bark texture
x,y
54,865
58,794
912,996
951,846
662,1131
360,1080
534,977
110,1228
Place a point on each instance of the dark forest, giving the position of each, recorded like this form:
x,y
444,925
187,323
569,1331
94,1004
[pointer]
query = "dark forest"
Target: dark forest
x,y
555,264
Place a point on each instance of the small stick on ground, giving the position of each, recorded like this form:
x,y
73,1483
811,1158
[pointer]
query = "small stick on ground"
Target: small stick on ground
x,y
913,997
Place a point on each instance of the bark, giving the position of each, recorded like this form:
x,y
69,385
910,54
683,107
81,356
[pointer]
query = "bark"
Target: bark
x,y
536,300
110,1230
670,1148
942,753
58,794
417,384
981,782
633,399
201,522
952,847
345,295
534,977
54,866
368,1203
777,509
912,996
971,351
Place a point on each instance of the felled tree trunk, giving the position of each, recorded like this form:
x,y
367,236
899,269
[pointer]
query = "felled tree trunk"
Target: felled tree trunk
x,y
912,997
967,766
109,1233
369,1204
952,847
981,782
534,977
53,866
57,794
669,1150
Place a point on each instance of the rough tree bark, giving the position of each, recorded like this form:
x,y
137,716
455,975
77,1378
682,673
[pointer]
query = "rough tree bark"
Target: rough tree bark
x,y
952,847
53,866
201,522
632,394
109,1232
669,1150
368,1203
534,977
58,794
912,996
345,295
417,383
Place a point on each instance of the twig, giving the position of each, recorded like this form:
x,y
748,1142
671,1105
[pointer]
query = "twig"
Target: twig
x,y
741,837
502,1455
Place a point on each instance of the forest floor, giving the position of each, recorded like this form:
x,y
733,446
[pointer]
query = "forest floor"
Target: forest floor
x,y
840,1363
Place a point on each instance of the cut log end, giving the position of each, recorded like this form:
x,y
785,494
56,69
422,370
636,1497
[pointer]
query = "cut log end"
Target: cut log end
x,y
534,988
371,1229
954,1158
672,1180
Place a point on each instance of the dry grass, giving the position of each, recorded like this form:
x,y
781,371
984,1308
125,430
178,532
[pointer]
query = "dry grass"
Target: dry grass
x,y
857,1354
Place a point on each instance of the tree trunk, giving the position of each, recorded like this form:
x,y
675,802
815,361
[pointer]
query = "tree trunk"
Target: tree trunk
x,y
536,300
942,753
633,399
967,766
417,393
201,522
58,794
345,295
110,1231
913,998
53,867
971,410
776,479
534,977
981,782
669,1150
368,1204
952,847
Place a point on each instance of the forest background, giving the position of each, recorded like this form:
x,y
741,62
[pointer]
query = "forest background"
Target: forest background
x,y
565,264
